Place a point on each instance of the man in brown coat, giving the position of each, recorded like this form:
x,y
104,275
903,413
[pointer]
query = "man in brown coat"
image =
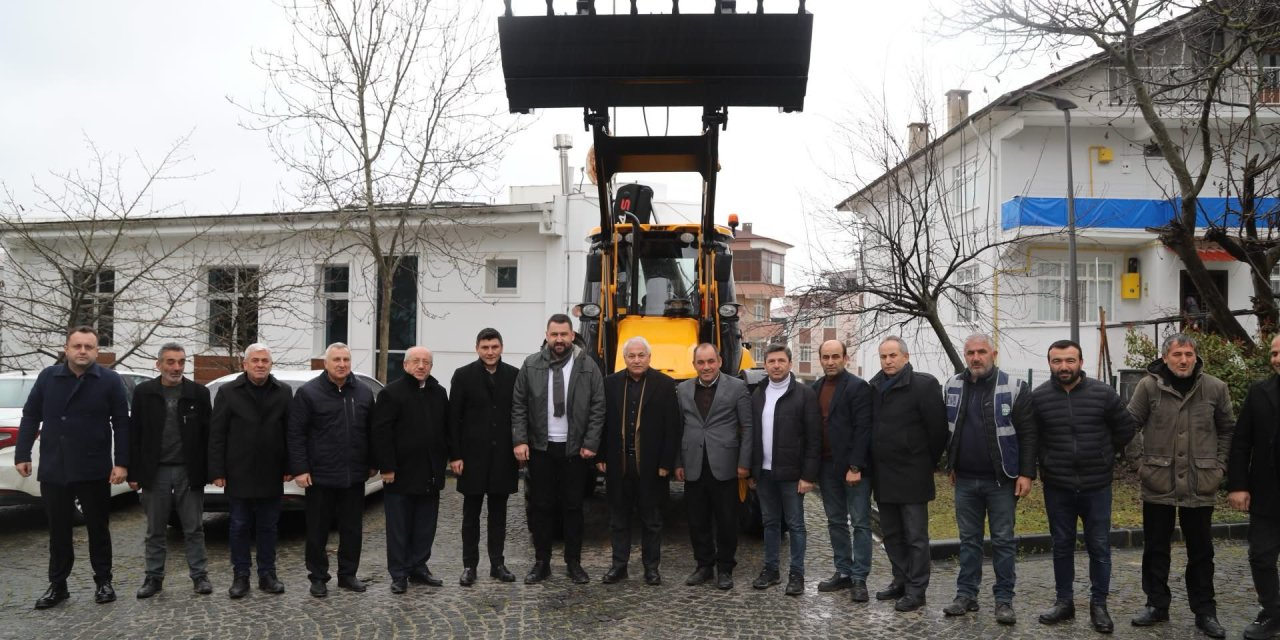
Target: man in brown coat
x,y
1185,419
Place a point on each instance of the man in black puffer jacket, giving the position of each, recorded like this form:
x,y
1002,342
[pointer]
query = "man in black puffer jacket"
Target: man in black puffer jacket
x,y
1081,424
329,457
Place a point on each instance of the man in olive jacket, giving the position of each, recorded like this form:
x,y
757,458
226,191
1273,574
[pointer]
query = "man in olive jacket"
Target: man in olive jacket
x,y
1253,485
169,451
557,415
410,446
1185,419
908,436
480,443
247,459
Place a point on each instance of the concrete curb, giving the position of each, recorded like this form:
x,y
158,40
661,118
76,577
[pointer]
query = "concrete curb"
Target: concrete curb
x,y
1042,543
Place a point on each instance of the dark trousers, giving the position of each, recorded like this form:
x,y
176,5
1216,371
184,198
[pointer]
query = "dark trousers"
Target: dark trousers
x,y
557,477
1065,507
497,532
59,505
630,494
906,542
1157,532
170,492
1264,550
411,530
713,519
323,504
253,520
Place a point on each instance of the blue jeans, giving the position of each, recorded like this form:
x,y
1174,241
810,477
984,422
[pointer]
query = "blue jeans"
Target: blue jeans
x,y
852,556
979,499
257,518
780,500
1064,507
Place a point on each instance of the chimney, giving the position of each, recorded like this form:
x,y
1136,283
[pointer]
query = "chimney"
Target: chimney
x,y
746,227
917,136
563,143
957,107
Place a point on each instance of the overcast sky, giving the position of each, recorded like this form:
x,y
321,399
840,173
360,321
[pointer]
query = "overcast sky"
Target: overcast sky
x,y
132,77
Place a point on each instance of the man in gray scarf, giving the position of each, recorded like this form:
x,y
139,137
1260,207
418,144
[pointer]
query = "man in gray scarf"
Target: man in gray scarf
x,y
557,414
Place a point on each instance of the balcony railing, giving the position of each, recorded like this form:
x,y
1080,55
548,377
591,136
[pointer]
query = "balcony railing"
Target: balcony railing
x,y
1179,84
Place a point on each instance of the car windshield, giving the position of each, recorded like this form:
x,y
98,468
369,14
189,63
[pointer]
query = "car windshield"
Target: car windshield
x,y
13,393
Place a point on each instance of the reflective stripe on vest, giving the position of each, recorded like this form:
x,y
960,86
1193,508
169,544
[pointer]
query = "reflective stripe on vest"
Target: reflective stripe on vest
x,y
1006,394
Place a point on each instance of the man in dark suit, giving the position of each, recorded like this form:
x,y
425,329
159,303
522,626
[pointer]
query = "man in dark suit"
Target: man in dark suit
x,y
715,452
845,402
1254,486
639,444
81,410
480,441
247,459
409,435
908,436
169,454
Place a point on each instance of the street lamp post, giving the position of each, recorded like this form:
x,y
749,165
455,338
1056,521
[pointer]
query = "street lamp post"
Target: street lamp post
x,y
1073,286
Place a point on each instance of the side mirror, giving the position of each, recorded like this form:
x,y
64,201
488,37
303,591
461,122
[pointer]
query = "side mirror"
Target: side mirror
x,y
723,267
593,268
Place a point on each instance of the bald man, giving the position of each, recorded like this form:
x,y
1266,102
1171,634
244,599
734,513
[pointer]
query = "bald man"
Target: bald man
x,y
410,447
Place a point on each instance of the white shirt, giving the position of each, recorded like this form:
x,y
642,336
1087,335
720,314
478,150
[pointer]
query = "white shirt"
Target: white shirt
x,y
558,428
771,395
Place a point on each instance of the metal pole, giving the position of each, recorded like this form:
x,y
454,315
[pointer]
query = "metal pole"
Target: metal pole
x,y
1073,293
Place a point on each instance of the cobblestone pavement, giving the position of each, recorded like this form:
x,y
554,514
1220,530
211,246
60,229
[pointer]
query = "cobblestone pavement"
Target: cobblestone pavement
x,y
556,608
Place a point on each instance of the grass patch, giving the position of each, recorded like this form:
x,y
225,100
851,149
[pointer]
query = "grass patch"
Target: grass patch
x,y
1126,508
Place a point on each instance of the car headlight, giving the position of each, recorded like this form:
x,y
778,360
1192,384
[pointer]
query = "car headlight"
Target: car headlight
x,y
728,311
591,310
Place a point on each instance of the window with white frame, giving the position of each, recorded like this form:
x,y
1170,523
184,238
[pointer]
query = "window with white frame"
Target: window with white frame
x,y
94,302
757,354
829,322
760,311
1096,281
966,294
335,302
501,275
962,188
233,307
1275,280
806,353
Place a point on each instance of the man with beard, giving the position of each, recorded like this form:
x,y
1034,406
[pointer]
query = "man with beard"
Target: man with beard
x,y
410,447
1253,485
557,415
1080,425
480,441
1184,416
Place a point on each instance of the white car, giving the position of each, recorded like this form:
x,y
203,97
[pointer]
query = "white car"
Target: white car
x,y
15,489
214,498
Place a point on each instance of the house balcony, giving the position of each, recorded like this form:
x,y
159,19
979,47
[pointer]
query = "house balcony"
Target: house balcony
x,y
1102,216
1179,84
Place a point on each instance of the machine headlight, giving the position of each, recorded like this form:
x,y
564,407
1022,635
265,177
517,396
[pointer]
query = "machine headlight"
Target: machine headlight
x,y
728,311
591,310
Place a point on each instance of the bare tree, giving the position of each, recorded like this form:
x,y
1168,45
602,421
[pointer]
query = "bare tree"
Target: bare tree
x,y
381,108
74,257
1179,102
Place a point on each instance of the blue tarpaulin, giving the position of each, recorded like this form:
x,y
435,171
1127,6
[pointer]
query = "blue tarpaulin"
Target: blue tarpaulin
x,y
1119,213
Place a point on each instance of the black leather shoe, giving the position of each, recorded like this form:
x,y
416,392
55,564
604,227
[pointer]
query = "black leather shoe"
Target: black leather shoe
x,y
150,587
1263,627
858,591
1208,623
724,580
652,577
501,572
795,584
239,587
399,585
836,582
577,574
319,589
1005,614
615,573
892,592
468,577
424,576
1060,611
699,576
540,571
1100,619
351,583
960,606
202,585
56,593
767,578
105,593
269,583
908,602
1150,615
